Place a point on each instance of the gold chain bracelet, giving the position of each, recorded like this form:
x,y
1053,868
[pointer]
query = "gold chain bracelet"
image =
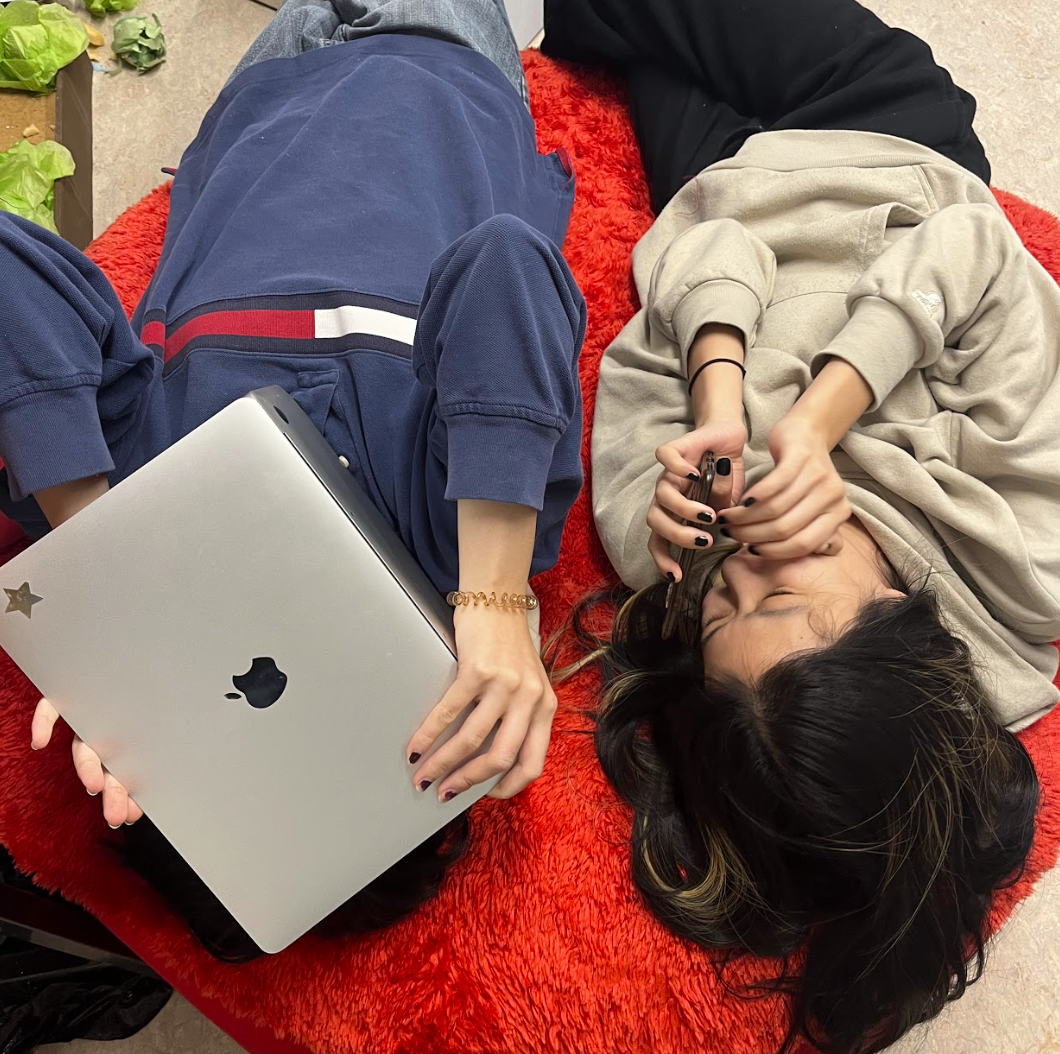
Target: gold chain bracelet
x,y
517,601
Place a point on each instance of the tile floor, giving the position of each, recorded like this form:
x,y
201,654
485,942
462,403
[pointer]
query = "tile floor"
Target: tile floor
x,y
1007,54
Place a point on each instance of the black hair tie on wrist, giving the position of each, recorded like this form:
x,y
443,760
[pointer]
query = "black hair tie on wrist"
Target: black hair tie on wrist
x,y
695,376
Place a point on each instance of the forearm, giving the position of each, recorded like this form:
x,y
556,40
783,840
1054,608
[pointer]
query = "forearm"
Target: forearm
x,y
833,402
496,543
717,394
60,503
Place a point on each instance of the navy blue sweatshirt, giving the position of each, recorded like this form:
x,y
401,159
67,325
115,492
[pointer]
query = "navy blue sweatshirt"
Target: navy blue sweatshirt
x,y
369,226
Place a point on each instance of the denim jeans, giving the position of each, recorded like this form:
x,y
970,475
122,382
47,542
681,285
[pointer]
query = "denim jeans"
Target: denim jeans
x,y
301,25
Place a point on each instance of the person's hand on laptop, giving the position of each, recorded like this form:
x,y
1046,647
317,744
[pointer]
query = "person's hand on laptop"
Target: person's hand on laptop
x,y
499,668
118,807
501,671
58,504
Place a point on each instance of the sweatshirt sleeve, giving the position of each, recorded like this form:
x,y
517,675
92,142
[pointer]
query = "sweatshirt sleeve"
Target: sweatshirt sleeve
x,y
714,272
982,320
922,293
498,338
65,345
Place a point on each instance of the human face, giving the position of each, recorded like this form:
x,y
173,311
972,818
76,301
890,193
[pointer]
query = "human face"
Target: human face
x,y
760,611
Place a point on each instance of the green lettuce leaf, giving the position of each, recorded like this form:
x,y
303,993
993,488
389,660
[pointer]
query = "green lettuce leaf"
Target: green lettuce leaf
x,y
27,180
99,8
139,42
36,41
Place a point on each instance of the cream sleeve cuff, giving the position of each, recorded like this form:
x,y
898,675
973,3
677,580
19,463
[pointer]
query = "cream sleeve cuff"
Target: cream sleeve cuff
x,y
723,302
880,341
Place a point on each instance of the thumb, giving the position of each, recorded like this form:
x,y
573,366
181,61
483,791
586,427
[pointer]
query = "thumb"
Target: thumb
x,y
728,482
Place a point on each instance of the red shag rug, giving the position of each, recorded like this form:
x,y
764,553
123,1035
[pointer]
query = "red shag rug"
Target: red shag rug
x,y
537,943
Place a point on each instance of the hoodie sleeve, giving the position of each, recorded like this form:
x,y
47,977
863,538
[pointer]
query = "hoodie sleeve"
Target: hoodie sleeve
x,y
499,334
923,292
962,300
714,272
67,356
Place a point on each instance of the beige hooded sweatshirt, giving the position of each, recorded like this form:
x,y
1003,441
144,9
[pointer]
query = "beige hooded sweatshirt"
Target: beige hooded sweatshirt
x,y
883,253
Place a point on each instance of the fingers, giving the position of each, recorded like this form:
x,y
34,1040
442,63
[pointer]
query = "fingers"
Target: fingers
x,y
118,807
500,758
473,733
455,701
673,460
780,492
88,767
673,500
670,505
663,524
810,540
785,525
115,801
668,567
531,761
44,718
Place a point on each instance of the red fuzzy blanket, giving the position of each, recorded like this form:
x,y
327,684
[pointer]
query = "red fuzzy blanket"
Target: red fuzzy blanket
x,y
537,942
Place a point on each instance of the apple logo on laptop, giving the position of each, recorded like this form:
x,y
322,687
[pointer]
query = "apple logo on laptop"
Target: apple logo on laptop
x,y
262,684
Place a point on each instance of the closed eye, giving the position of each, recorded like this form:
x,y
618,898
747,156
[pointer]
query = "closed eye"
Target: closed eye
x,y
715,622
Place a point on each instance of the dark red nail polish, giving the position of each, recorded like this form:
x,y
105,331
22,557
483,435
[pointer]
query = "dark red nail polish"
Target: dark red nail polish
x,y
705,517
671,576
724,466
414,757
702,541
725,532
753,551
722,520
449,795
748,502
424,784
694,477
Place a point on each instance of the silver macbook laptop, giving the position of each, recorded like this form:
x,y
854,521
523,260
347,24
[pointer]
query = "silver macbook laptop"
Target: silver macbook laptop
x,y
249,647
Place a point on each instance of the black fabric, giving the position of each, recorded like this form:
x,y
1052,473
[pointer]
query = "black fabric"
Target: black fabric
x,y
48,996
705,74
70,1000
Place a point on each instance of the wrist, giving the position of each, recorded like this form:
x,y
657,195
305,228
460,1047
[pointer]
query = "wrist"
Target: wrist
x,y
801,424
717,394
500,600
64,501
833,402
715,341
724,408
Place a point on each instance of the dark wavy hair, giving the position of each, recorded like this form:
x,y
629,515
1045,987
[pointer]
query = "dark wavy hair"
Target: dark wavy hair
x,y
391,897
851,812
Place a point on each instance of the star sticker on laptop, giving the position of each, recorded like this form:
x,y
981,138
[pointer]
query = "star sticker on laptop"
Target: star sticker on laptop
x,y
21,599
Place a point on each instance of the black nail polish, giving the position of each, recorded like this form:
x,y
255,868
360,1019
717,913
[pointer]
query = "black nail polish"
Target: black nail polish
x,y
753,551
424,784
705,517
449,795
722,520
671,576
702,541
724,466
748,502
725,532
414,757
694,477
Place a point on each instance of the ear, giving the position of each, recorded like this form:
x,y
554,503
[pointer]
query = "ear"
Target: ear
x,y
894,594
